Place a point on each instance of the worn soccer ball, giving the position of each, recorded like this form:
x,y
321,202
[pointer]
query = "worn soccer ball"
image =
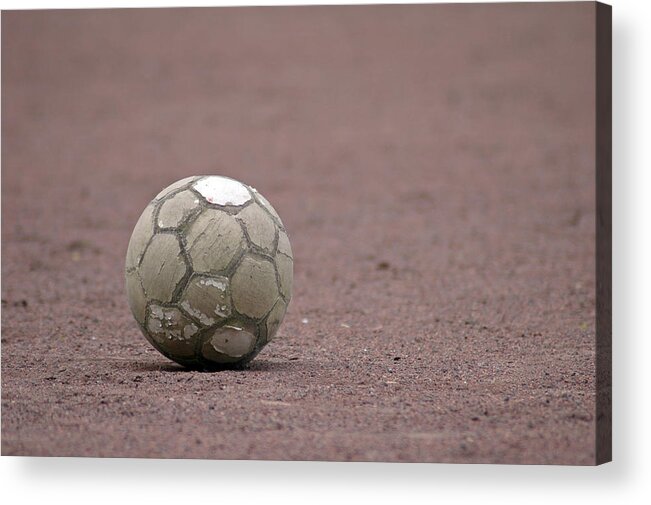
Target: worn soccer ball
x,y
209,272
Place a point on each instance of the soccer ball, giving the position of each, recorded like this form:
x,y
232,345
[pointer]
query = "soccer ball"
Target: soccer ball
x,y
209,272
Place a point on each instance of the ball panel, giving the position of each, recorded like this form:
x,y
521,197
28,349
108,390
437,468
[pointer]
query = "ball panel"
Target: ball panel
x,y
259,226
142,233
207,299
213,241
265,203
136,296
283,244
285,267
175,210
254,287
162,267
172,330
228,344
274,318
174,186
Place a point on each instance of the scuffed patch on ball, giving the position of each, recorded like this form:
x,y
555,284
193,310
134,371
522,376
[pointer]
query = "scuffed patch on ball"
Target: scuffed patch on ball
x,y
228,344
207,299
222,191
174,332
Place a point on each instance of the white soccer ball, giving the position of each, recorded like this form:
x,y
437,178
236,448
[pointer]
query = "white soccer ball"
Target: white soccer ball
x,y
209,272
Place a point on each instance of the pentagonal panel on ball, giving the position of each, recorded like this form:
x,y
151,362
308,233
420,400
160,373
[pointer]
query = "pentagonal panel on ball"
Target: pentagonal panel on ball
x,y
213,240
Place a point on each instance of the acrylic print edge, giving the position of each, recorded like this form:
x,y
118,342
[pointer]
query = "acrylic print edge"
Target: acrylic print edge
x,y
603,157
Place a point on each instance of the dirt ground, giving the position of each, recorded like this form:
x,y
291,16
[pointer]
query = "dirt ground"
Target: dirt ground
x,y
434,167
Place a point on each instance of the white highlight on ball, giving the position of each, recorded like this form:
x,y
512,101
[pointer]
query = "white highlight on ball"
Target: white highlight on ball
x,y
222,191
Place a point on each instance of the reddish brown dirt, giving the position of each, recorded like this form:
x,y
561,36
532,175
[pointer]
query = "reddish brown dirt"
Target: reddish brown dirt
x,y
434,167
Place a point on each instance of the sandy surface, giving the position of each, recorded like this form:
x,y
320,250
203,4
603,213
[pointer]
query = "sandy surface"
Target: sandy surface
x,y
434,167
